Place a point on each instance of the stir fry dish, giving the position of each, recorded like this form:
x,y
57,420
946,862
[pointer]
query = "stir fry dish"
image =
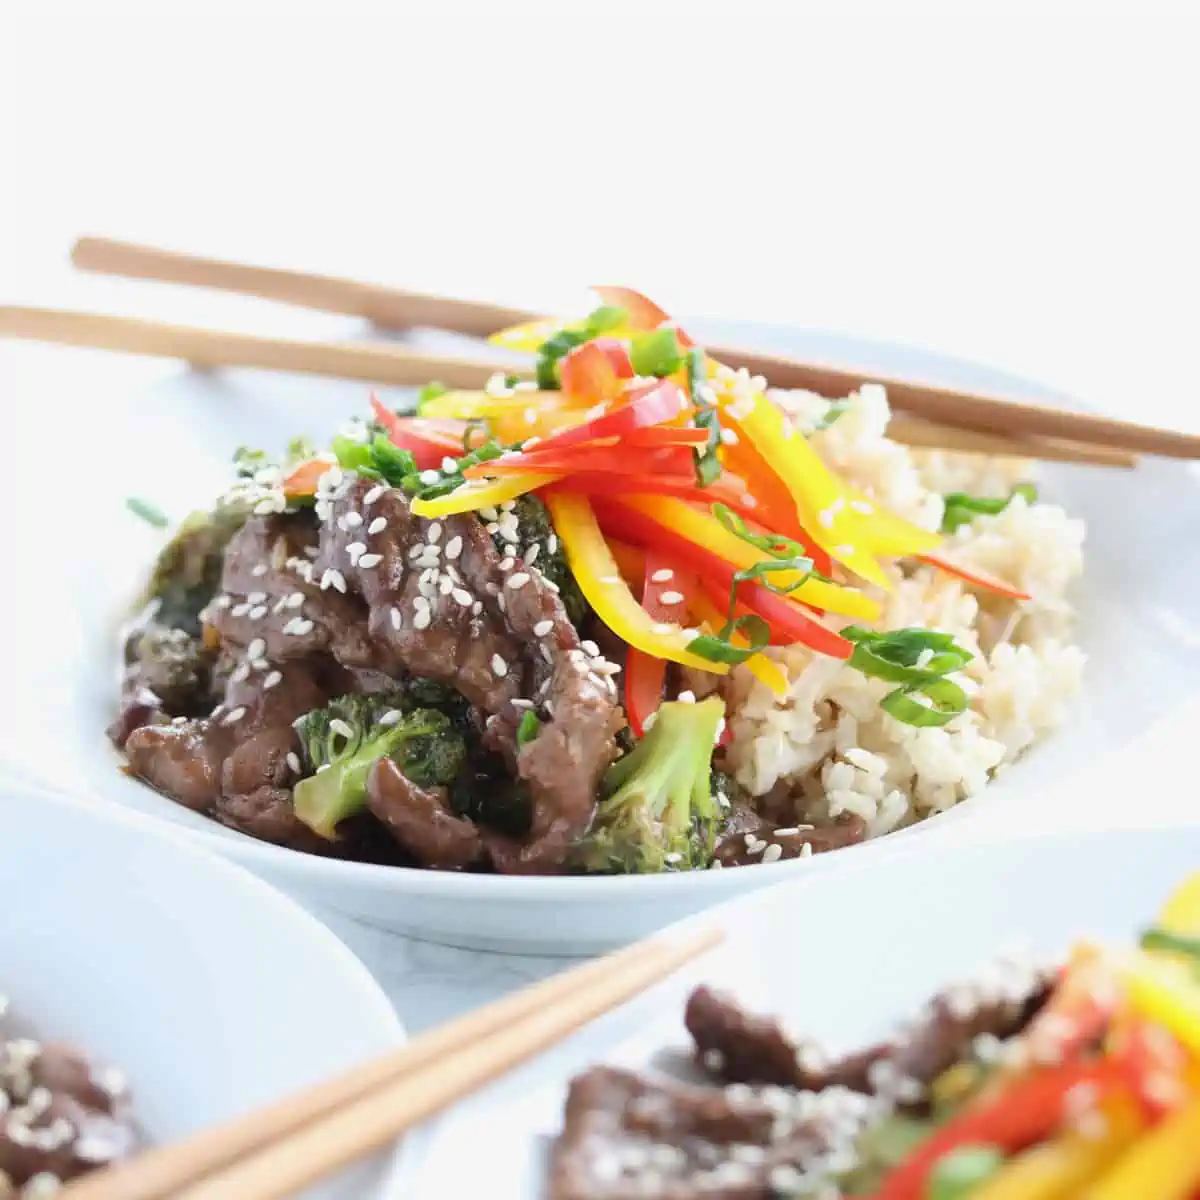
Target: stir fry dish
x,y
1079,1080
61,1115
635,613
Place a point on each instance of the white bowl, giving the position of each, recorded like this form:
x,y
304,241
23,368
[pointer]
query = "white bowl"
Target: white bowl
x,y
1138,602
213,993
843,959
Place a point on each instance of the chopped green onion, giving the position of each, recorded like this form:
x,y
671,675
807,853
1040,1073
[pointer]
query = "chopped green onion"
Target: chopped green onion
x,y
431,391
392,464
958,1174
449,481
708,465
248,462
354,456
554,348
605,318
919,660
657,353
528,727
719,647
475,425
150,513
774,544
1176,943
962,508
836,409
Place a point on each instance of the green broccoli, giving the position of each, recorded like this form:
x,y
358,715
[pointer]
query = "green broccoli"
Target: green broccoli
x,y
344,740
534,527
659,811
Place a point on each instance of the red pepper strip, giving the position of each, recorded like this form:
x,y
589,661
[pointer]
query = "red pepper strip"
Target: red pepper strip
x,y
975,576
643,312
1029,1110
652,405
720,492
587,374
784,616
665,435
671,461
303,480
645,674
428,441
777,509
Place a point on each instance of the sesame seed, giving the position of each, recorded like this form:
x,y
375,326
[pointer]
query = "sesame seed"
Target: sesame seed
x,y
295,600
806,851
552,543
531,553
374,494
354,550
449,465
256,649
488,513
416,550
508,506
272,680
429,478
590,647
391,716
258,570
239,610
477,608
454,547
463,597
293,761
333,578
298,626
353,520
773,853
492,527
445,585
552,586
395,617
222,602
507,563
663,576
542,628
367,561
499,666
419,602
240,672
519,580
661,627
421,618
255,597
233,716
257,612
686,697
378,525
671,598
729,437
434,533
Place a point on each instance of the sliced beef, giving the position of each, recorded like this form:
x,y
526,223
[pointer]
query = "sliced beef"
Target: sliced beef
x,y
740,1046
421,820
748,835
628,1136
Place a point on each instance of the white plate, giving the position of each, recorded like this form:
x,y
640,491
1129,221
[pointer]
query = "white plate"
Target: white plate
x,y
210,990
843,959
1138,603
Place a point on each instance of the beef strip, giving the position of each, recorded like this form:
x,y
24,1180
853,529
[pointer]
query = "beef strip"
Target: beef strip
x,y
628,1136
421,820
441,602
740,1046
747,835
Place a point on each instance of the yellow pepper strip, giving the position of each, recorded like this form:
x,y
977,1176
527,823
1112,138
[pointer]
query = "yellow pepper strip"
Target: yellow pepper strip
x,y
480,494
766,670
1163,990
599,578
529,335
1058,1169
1164,1164
472,405
708,532
1181,913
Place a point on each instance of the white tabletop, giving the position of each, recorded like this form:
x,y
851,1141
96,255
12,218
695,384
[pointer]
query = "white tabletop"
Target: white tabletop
x,y
1013,184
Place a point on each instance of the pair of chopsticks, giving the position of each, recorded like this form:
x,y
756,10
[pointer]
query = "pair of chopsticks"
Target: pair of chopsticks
x,y
294,1142
928,415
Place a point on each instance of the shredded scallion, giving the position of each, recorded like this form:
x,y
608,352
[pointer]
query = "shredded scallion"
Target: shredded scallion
x,y
150,513
962,508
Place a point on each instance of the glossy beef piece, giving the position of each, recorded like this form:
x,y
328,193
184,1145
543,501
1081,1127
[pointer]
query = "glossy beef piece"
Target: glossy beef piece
x,y
742,1047
64,1116
627,1136
748,834
421,821
476,633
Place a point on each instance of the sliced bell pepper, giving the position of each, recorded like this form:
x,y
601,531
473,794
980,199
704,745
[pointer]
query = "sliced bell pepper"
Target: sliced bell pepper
x,y
706,531
1181,913
479,494
468,406
1058,1169
766,670
599,578
428,441
643,313
645,674
974,576
1026,1112
1164,1164
593,372
787,619
303,480
631,560
721,492
642,408
1165,991
671,461
529,335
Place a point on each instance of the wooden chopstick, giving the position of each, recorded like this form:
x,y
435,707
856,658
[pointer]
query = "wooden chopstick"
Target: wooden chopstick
x,y
294,1141
397,308
398,366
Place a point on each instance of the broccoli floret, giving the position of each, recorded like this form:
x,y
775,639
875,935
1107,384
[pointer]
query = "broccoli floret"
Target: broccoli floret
x,y
534,527
174,665
659,811
344,740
